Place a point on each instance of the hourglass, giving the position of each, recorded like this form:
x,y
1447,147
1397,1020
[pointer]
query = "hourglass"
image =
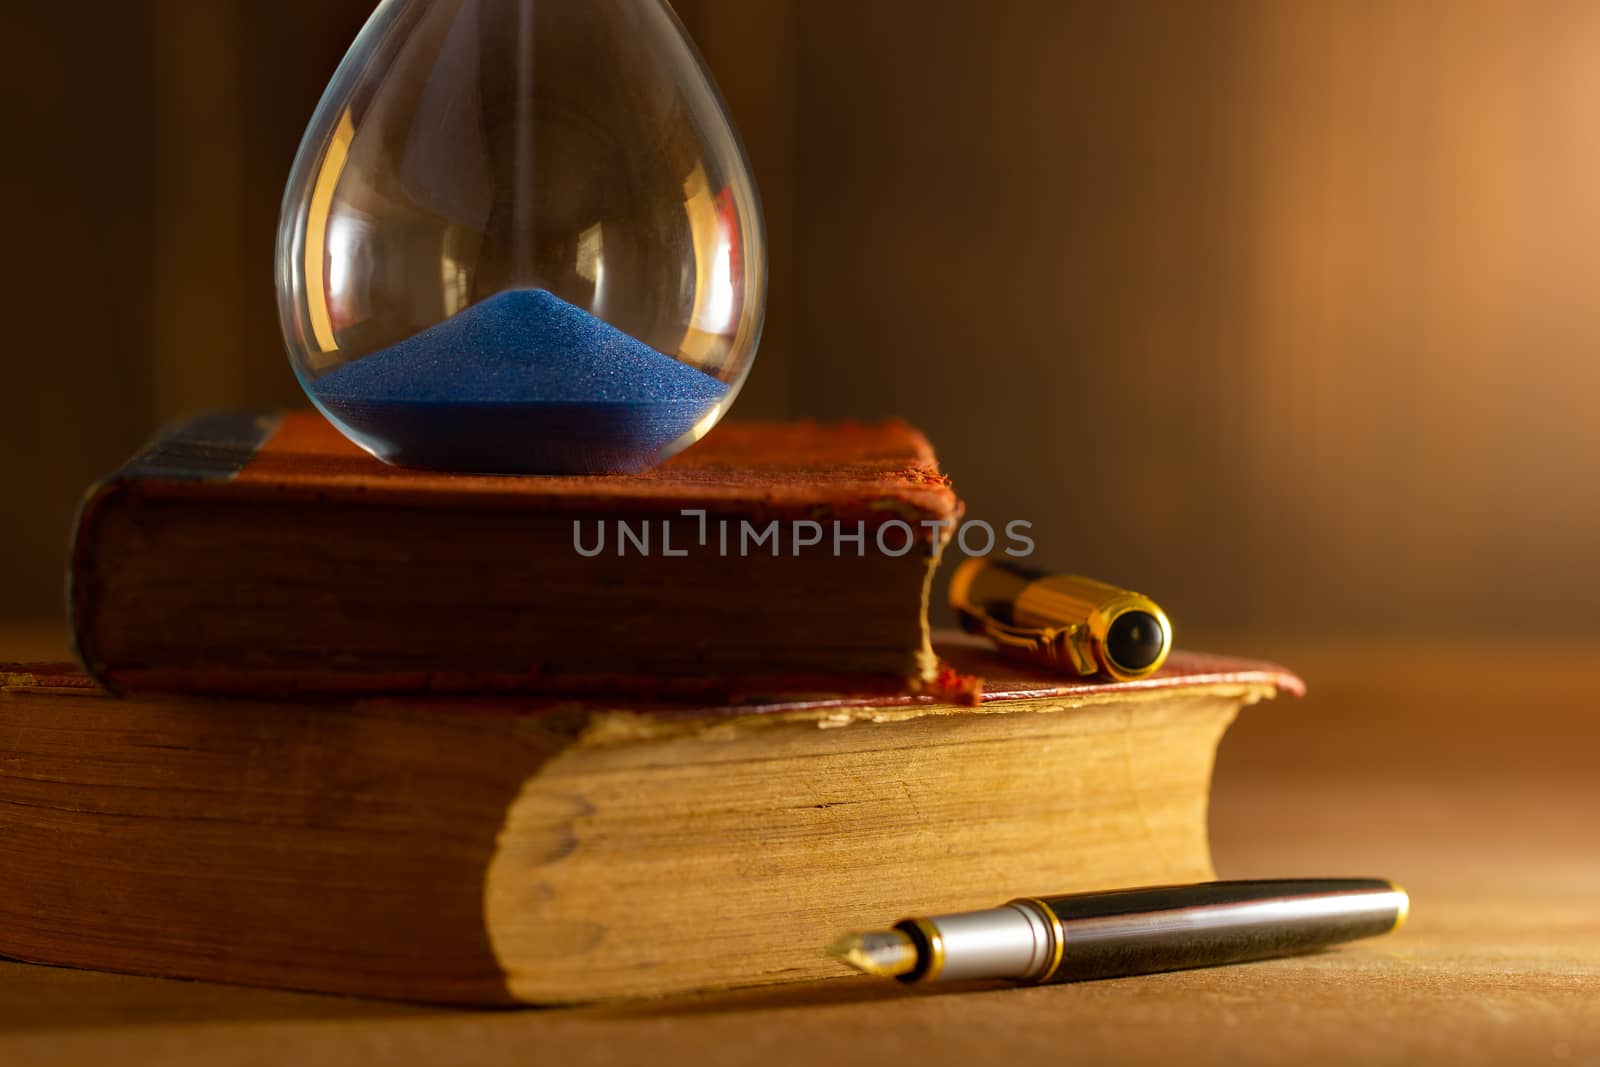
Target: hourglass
x,y
521,236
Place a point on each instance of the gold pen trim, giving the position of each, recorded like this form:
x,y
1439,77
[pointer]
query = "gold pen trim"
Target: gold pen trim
x,y
933,965
1058,935
1403,912
1063,621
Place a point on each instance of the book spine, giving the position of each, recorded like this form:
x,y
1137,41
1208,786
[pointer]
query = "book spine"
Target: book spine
x,y
210,447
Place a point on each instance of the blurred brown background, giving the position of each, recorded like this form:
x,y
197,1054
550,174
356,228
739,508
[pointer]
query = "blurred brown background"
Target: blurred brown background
x,y
1286,313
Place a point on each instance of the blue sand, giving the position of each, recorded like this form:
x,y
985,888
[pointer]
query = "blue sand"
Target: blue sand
x,y
523,383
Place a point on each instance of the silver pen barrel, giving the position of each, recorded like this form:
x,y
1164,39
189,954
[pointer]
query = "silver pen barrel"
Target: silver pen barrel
x,y
1138,931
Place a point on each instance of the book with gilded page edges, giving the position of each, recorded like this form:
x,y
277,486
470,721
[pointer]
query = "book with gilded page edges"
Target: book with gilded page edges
x,y
269,555
506,849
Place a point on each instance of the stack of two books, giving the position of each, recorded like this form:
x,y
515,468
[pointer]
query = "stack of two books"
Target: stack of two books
x,y
351,728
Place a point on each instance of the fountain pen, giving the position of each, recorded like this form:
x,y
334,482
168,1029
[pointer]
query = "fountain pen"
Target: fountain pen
x,y
1130,931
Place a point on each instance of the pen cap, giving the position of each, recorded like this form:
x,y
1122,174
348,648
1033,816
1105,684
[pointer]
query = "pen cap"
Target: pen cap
x,y
991,587
1164,928
1104,628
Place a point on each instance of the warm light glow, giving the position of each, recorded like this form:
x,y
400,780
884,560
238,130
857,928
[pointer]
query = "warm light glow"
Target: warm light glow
x,y
347,239
317,283
718,314
454,281
716,302
708,420
591,260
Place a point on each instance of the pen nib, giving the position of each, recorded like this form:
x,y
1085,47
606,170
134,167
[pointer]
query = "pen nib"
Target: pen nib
x,y
883,952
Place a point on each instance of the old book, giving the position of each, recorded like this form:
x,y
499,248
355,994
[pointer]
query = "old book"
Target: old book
x,y
499,849
269,555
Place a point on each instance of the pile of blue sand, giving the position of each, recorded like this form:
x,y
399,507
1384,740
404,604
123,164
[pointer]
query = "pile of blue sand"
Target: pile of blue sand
x,y
523,383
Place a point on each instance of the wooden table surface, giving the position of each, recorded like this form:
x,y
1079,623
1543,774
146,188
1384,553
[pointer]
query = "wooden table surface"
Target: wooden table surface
x,y
1468,775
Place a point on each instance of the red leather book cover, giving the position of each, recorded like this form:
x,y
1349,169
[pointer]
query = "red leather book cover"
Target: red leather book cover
x,y
257,554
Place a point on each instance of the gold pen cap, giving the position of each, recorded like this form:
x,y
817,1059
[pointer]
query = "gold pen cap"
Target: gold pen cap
x,y
1066,622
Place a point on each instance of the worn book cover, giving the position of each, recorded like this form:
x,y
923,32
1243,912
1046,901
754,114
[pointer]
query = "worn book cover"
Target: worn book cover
x,y
515,849
249,554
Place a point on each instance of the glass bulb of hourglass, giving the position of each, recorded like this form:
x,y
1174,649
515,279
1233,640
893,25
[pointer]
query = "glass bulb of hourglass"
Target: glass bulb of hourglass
x,y
521,236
